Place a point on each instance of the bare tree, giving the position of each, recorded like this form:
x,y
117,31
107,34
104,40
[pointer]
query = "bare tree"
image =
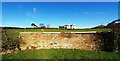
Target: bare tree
x,y
48,25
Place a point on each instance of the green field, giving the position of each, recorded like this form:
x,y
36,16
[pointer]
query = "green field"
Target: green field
x,y
15,32
61,54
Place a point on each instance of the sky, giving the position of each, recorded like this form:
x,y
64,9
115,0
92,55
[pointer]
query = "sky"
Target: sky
x,y
83,14
60,0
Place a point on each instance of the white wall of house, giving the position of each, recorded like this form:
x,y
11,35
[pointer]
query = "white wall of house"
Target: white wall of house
x,y
70,26
73,26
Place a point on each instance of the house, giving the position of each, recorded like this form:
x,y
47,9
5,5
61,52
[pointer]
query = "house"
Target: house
x,y
68,26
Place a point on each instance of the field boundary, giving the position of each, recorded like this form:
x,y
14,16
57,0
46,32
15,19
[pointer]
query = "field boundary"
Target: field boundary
x,y
61,32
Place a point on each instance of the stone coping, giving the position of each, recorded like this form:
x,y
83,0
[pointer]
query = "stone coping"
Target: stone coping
x,y
61,32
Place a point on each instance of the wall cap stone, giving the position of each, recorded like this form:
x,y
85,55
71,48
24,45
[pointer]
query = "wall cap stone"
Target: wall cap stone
x,y
61,32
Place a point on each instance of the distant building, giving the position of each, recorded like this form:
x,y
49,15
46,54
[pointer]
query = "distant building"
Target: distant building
x,y
68,26
61,27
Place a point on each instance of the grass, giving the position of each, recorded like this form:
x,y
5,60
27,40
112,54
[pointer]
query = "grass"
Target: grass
x,y
61,54
13,34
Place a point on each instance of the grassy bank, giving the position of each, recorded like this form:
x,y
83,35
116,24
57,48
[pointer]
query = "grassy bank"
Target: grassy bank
x,y
61,54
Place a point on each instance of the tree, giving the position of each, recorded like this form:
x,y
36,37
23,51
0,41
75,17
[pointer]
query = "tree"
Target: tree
x,y
117,35
114,24
42,25
116,30
34,25
48,25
